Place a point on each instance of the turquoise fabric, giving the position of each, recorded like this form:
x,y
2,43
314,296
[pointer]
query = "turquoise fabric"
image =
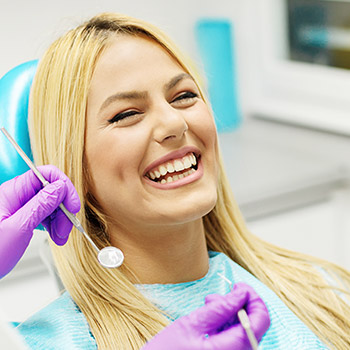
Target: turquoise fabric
x,y
286,331
61,325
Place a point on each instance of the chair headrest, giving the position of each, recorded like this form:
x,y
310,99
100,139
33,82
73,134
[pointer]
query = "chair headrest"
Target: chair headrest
x,y
14,97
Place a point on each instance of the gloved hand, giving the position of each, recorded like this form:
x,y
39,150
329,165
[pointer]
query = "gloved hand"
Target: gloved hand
x,y
24,204
215,326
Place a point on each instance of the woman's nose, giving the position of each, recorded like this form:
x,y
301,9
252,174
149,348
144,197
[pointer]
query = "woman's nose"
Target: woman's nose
x,y
170,123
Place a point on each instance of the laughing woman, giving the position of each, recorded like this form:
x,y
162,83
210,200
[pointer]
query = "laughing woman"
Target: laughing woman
x,y
119,110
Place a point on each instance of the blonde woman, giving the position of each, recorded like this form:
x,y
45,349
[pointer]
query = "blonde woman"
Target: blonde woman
x,y
118,109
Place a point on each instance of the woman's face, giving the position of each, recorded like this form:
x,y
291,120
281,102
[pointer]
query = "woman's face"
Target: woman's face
x,y
150,139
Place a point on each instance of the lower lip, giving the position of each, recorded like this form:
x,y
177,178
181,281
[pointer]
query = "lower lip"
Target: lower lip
x,y
178,183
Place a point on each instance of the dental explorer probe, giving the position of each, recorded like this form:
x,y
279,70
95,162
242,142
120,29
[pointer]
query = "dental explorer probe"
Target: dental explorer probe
x,y
244,320
109,257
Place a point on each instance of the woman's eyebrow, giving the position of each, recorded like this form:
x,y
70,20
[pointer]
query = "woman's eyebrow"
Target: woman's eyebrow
x,y
141,95
176,80
129,95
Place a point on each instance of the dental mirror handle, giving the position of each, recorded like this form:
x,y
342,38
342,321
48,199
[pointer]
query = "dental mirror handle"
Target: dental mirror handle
x,y
74,220
244,320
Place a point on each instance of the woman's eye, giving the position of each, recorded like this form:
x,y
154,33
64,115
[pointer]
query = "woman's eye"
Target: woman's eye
x,y
184,98
121,116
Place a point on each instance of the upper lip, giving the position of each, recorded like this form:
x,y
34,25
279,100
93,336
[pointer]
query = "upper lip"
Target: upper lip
x,y
172,155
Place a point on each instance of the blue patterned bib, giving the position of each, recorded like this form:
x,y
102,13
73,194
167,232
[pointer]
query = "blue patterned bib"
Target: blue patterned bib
x,y
62,326
286,332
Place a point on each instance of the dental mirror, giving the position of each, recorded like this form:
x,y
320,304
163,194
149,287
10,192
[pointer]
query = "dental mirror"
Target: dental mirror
x,y
108,257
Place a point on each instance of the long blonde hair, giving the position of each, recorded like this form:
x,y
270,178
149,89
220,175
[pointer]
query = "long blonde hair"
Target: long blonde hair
x,y
118,315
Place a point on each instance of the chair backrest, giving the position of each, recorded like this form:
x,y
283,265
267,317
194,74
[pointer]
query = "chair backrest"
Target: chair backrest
x,y
14,97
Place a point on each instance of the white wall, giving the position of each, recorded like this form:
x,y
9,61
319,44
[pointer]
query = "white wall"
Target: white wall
x,y
320,230
28,27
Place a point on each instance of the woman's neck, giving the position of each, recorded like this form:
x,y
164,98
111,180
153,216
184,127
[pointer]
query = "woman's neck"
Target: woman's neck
x,y
174,255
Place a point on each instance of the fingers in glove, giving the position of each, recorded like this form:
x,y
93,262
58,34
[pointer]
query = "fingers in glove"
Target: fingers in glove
x,y
212,298
16,192
52,174
31,214
256,309
234,335
58,226
258,315
219,311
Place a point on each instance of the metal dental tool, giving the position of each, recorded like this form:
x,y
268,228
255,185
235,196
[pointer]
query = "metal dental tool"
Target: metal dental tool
x,y
109,257
244,320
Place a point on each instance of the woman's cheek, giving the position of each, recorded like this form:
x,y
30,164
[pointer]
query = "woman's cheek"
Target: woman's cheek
x,y
202,120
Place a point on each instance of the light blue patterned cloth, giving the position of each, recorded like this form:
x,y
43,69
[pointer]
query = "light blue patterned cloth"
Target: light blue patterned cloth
x,y
62,326
286,331
59,326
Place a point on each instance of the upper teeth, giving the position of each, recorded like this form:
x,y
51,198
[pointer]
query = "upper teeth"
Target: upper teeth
x,y
172,166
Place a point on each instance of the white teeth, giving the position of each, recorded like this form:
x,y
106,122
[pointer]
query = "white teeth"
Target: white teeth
x,y
177,177
193,159
187,162
163,170
170,168
178,165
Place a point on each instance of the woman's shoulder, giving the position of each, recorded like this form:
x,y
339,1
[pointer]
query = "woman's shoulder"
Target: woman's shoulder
x,y
59,325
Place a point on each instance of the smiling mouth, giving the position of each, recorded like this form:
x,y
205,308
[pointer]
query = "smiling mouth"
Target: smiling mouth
x,y
175,169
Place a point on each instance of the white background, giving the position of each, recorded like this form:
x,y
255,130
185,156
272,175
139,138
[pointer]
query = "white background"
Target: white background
x,y
28,27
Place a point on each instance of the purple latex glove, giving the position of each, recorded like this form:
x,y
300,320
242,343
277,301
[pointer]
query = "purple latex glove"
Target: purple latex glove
x,y
215,326
24,204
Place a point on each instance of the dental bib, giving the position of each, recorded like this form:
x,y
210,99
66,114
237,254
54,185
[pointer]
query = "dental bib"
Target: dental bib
x,y
286,331
61,325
